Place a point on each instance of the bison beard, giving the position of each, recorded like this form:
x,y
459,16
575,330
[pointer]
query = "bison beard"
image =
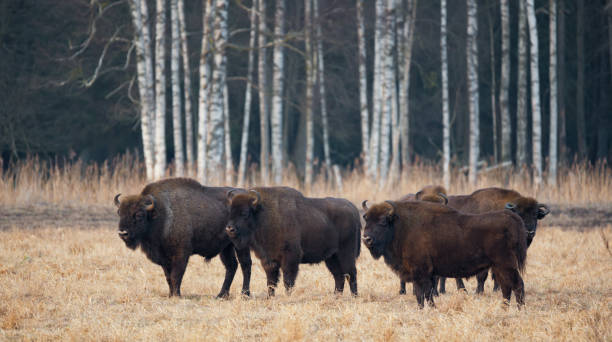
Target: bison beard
x,y
420,240
285,229
171,220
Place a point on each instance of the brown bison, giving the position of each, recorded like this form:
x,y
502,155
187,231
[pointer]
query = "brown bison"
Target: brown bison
x,y
420,240
172,219
286,229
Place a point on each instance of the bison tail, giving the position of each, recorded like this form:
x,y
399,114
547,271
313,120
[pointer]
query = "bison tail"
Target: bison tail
x,y
358,241
520,248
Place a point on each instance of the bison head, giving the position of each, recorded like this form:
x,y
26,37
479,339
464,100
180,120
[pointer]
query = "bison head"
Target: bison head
x,y
432,193
135,214
243,208
530,211
378,231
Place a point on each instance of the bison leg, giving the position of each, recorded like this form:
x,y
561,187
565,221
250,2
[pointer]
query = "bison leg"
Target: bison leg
x,y
481,278
333,265
460,284
505,282
495,284
402,287
518,287
442,285
424,290
434,288
290,269
244,258
174,274
419,294
272,274
228,258
347,263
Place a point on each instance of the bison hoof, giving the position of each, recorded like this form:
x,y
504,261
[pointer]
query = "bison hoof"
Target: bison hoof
x,y
402,292
246,293
223,295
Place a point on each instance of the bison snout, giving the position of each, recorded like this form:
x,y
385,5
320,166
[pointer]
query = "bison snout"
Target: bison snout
x,y
368,241
231,231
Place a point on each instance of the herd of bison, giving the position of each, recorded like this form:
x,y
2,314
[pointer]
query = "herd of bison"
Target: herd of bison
x,y
422,237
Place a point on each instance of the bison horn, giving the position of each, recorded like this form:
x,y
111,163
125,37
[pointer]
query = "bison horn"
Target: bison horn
x,y
257,199
510,206
443,197
392,211
543,210
149,203
364,205
230,195
116,200
418,195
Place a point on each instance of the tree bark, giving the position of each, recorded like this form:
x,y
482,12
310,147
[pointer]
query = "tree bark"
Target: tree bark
x,y
277,93
247,99
229,161
187,87
321,78
363,89
445,109
377,89
405,56
552,154
493,89
536,136
580,117
309,85
561,82
472,76
395,126
204,93
521,110
387,92
177,127
504,91
160,90
264,114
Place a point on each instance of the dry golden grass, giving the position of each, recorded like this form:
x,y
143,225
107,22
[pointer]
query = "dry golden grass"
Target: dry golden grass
x,y
73,284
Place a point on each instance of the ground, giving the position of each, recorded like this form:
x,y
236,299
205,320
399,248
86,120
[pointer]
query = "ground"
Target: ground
x,y
65,274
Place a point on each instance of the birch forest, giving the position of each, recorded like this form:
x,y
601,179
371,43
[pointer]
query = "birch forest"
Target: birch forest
x,y
249,91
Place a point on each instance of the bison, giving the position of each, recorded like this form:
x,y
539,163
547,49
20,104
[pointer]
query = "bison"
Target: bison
x,y
420,240
285,229
172,219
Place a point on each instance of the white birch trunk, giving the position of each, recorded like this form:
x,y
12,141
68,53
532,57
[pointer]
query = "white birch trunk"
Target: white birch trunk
x,y
404,84
321,77
309,88
216,138
229,162
247,100
363,88
445,109
143,64
521,110
377,89
387,97
552,154
177,127
277,93
160,90
187,87
504,91
204,93
264,114
493,91
472,76
536,137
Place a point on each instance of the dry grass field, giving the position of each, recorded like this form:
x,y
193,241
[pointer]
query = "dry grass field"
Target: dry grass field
x,y
65,274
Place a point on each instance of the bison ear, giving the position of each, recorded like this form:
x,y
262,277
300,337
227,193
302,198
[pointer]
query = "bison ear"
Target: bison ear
x,y
392,213
256,199
511,206
543,210
364,205
444,198
116,200
149,202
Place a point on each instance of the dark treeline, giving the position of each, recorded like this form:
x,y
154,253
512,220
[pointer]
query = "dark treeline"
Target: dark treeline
x,y
54,104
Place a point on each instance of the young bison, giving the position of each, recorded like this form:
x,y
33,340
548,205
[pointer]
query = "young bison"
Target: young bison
x,y
286,229
172,219
420,240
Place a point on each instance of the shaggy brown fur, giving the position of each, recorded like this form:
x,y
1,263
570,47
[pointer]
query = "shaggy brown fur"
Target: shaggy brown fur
x,y
285,229
172,219
419,240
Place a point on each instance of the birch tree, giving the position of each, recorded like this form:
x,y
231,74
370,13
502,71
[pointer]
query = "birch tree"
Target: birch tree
x,y
472,76
445,110
321,78
363,88
552,154
387,90
247,99
309,85
177,127
204,93
504,91
521,110
395,127
187,87
263,95
536,137
216,132
493,89
160,90
404,62
377,89
140,18
277,94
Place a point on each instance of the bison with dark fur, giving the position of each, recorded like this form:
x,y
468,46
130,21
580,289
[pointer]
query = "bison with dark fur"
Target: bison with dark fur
x,y
285,229
420,240
172,219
